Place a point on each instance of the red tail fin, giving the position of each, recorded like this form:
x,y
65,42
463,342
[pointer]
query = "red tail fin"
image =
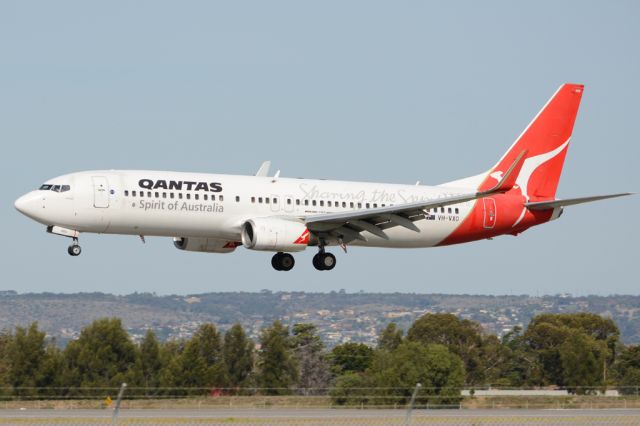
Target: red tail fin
x,y
546,140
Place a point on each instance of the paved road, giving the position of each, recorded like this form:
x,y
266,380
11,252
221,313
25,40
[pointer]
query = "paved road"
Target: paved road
x,y
344,417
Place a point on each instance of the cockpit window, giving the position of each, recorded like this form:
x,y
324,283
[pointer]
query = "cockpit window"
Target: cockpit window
x,y
55,188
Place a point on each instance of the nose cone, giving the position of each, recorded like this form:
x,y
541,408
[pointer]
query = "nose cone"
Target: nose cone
x,y
30,205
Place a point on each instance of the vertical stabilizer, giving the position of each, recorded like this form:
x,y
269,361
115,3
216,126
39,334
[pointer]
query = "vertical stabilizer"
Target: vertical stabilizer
x,y
546,140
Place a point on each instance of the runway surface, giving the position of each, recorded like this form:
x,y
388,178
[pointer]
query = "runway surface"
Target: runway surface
x,y
316,417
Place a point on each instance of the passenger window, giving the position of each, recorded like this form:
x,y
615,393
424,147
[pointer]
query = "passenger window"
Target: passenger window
x,y
306,202
260,200
313,202
289,201
275,201
321,203
197,196
375,205
126,193
188,196
164,195
367,205
328,203
267,200
351,204
171,195
149,194
206,197
359,205
441,209
213,197
297,202
253,199
237,199
157,195
449,210
457,211
180,195
220,198
344,204
382,205
133,193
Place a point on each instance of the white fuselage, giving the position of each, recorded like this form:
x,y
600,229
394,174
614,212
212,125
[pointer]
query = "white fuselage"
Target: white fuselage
x,y
175,204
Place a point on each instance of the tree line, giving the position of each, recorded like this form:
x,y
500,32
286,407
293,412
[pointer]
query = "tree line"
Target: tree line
x,y
581,352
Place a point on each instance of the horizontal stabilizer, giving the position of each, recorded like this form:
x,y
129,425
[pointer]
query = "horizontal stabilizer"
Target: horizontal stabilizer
x,y
546,205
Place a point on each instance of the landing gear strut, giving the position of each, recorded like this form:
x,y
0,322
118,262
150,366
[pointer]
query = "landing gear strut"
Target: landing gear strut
x,y
282,261
74,249
324,261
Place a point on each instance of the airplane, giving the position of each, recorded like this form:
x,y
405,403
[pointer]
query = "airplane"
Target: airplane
x,y
216,213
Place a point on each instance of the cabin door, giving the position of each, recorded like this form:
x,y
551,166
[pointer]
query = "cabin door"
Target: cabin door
x,y
489,213
100,192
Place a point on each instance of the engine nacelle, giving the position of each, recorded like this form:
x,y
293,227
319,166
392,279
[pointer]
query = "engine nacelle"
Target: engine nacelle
x,y
273,234
207,245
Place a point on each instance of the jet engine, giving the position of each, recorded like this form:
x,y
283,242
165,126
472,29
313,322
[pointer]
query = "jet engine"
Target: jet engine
x,y
207,245
274,234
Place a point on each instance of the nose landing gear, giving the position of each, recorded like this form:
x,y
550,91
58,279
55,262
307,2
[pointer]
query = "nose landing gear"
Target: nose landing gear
x,y
74,249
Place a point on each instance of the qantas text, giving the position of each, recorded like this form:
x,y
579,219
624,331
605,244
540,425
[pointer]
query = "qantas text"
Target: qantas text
x,y
180,184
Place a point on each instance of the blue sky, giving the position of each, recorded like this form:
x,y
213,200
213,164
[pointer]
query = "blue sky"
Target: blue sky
x,y
373,91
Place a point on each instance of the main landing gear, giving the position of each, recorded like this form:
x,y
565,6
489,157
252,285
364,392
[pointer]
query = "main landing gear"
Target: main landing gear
x,y
282,261
74,249
324,261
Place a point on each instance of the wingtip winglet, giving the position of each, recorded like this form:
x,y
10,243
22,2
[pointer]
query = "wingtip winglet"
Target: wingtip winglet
x,y
507,180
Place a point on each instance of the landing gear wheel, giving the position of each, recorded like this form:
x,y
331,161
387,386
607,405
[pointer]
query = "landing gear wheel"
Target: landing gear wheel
x,y
328,261
74,250
286,262
275,261
282,261
316,262
324,261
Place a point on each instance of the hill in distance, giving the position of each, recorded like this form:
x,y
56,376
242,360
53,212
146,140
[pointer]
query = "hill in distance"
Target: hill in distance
x,y
340,316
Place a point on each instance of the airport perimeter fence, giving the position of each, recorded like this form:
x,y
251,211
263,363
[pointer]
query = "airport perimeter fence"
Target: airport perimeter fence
x,y
320,406
424,397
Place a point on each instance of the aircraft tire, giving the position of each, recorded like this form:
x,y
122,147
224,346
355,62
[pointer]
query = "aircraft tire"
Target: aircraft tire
x,y
317,263
286,262
328,261
74,250
275,261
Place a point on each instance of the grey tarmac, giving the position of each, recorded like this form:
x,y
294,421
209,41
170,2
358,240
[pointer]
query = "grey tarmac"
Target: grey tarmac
x,y
278,416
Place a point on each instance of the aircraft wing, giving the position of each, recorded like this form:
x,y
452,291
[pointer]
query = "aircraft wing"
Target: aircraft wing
x,y
349,225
